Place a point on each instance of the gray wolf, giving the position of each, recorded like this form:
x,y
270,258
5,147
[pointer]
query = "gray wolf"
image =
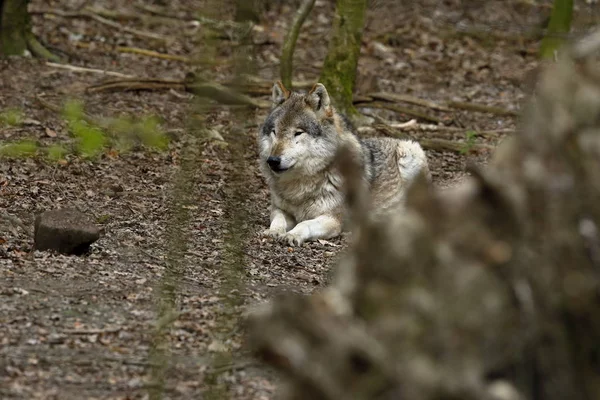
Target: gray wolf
x,y
298,143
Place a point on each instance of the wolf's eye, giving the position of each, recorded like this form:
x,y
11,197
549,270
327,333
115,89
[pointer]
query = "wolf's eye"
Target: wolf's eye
x,y
298,133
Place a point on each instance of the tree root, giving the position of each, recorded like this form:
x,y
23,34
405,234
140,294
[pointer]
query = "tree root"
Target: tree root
x,y
38,50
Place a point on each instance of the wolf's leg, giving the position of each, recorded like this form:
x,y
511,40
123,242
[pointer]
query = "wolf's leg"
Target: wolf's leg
x,y
322,227
281,222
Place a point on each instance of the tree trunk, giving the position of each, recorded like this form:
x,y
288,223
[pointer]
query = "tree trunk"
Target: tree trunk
x,y
558,28
14,25
487,291
339,69
289,44
15,31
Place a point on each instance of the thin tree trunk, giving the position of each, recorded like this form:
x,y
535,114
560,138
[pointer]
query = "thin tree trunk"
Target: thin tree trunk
x,y
558,28
339,69
289,44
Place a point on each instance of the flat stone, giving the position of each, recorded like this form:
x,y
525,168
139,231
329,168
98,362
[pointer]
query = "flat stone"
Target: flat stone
x,y
66,231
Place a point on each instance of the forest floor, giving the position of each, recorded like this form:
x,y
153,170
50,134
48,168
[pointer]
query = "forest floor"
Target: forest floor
x,y
84,327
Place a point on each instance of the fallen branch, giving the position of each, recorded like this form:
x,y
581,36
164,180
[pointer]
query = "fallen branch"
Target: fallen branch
x,y
136,84
152,53
224,94
404,98
401,110
482,108
492,133
90,15
91,70
91,331
428,143
457,147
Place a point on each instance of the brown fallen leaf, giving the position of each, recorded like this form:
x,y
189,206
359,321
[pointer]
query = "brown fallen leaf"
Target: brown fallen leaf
x,y
50,133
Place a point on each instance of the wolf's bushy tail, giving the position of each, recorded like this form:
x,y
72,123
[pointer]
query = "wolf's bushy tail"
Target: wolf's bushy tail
x,y
412,161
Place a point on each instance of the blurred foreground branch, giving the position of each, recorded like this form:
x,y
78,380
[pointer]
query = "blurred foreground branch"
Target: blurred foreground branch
x,y
489,290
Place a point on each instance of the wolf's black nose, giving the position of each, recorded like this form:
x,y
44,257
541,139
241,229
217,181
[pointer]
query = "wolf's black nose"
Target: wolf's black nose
x,y
274,163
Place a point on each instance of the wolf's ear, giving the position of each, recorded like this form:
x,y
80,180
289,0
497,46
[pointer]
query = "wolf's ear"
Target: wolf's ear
x,y
318,98
280,93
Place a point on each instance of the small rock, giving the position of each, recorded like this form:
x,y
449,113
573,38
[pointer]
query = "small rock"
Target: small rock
x,y
216,346
66,231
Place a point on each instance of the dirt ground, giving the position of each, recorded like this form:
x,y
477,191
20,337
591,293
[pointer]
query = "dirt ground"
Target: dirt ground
x,y
82,327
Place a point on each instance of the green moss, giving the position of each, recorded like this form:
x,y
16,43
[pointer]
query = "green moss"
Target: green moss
x,y
11,117
339,69
56,153
24,148
103,219
151,134
469,142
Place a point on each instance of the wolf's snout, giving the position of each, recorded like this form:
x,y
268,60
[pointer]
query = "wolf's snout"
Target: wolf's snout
x,y
274,163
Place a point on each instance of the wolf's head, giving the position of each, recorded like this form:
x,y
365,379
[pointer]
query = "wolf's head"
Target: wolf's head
x,y
301,134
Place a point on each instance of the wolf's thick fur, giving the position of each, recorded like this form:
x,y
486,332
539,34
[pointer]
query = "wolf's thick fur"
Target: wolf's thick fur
x,y
298,144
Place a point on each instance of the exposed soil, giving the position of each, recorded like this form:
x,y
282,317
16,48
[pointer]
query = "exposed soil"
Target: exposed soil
x,y
83,327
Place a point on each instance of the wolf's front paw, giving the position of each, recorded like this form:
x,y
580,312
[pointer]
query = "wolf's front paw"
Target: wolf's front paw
x,y
274,233
291,239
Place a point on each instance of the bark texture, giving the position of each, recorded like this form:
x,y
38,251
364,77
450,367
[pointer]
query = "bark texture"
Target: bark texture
x,y
490,290
14,25
339,69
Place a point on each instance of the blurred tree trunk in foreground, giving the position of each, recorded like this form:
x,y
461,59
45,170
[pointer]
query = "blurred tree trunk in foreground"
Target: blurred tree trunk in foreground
x,y
14,23
339,69
490,290
558,28
15,31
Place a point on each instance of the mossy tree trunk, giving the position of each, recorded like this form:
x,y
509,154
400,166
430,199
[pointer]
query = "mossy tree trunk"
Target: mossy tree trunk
x,y
558,27
15,31
339,70
14,23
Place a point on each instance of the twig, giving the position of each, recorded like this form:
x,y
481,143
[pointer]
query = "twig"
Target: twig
x,y
407,126
400,109
159,11
217,370
83,69
289,43
404,98
215,91
133,31
105,21
136,84
224,95
152,53
458,147
91,331
482,108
